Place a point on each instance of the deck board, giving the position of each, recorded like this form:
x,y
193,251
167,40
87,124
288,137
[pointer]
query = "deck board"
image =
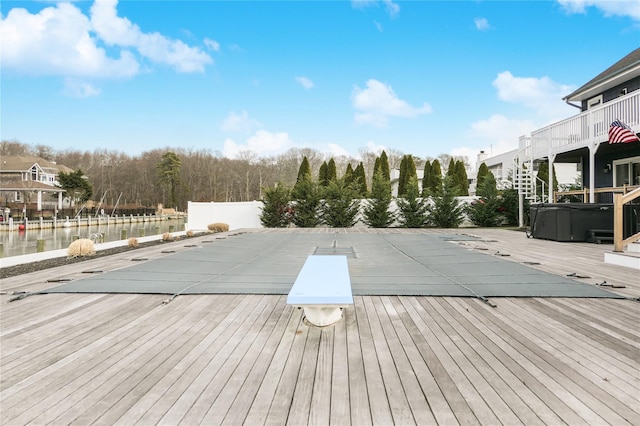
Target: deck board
x,y
251,359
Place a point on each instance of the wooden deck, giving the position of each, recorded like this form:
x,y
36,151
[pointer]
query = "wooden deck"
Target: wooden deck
x,y
249,359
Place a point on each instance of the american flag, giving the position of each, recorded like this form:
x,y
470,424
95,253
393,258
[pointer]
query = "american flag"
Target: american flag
x,y
621,133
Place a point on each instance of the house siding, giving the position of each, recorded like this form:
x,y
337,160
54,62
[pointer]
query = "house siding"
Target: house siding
x,y
616,92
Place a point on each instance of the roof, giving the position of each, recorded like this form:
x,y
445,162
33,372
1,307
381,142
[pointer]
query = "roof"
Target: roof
x,y
25,162
623,70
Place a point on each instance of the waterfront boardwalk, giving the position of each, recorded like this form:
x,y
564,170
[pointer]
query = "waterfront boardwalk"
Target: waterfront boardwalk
x,y
250,359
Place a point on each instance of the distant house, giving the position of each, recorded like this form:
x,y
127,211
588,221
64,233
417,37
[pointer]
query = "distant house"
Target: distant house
x,y
30,180
583,139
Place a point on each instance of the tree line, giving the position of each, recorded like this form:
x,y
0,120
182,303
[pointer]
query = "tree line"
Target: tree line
x,y
174,176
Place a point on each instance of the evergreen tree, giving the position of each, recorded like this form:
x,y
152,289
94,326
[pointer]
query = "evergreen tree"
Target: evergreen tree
x,y
485,211
348,175
360,181
436,177
451,170
384,166
480,186
509,205
543,176
306,207
483,170
426,179
407,171
376,210
304,170
323,177
340,208
446,211
461,178
403,176
169,175
376,166
276,210
413,210
76,187
332,172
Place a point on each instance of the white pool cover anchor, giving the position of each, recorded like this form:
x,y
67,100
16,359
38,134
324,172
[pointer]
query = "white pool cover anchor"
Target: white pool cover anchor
x,y
322,289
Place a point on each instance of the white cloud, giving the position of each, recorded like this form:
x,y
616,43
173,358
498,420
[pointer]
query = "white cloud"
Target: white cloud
x,y
240,123
61,40
393,9
58,41
212,44
630,8
305,82
375,148
118,31
498,133
378,102
335,150
263,143
543,95
378,26
482,24
79,89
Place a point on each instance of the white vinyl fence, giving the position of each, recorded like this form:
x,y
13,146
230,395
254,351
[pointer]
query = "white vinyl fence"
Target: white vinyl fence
x,y
247,214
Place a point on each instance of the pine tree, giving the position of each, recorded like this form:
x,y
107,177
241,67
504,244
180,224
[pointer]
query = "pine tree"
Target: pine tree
x,y
436,177
446,211
384,166
360,181
376,166
306,206
348,175
426,179
543,176
413,210
304,170
332,172
340,208
323,179
407,171
485,211
376,212
403,176
461,178
483,170
276,210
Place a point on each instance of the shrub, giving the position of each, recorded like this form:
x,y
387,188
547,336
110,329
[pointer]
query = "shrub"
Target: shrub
x,y
167,236
276,212
446,211
306,206
189,233
80,248
376,210
485,211
218,227
339,209
133,242
413,210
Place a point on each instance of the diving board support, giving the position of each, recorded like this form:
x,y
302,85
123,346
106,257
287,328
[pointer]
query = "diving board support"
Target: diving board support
x,y
322,289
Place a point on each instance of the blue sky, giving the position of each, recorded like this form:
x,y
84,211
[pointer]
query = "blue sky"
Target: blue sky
x,y
420,77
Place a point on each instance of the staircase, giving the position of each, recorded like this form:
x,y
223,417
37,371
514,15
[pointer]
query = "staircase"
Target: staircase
x,y
523,179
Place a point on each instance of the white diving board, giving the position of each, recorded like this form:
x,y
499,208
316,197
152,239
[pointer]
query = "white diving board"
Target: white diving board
x,y
322,289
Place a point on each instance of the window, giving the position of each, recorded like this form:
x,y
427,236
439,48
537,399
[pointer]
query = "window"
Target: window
x,y
594,102
626,171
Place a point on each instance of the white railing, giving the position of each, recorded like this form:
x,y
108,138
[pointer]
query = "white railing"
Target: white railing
x,y
588,128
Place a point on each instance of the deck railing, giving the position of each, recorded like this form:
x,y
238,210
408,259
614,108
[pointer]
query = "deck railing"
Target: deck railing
x,y
587,128
603,195
619,200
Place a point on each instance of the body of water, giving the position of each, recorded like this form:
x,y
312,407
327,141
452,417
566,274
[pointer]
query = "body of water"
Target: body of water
x,y
16,243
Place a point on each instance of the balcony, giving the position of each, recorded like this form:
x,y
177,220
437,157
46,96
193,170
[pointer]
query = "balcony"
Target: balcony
x,y
587,129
